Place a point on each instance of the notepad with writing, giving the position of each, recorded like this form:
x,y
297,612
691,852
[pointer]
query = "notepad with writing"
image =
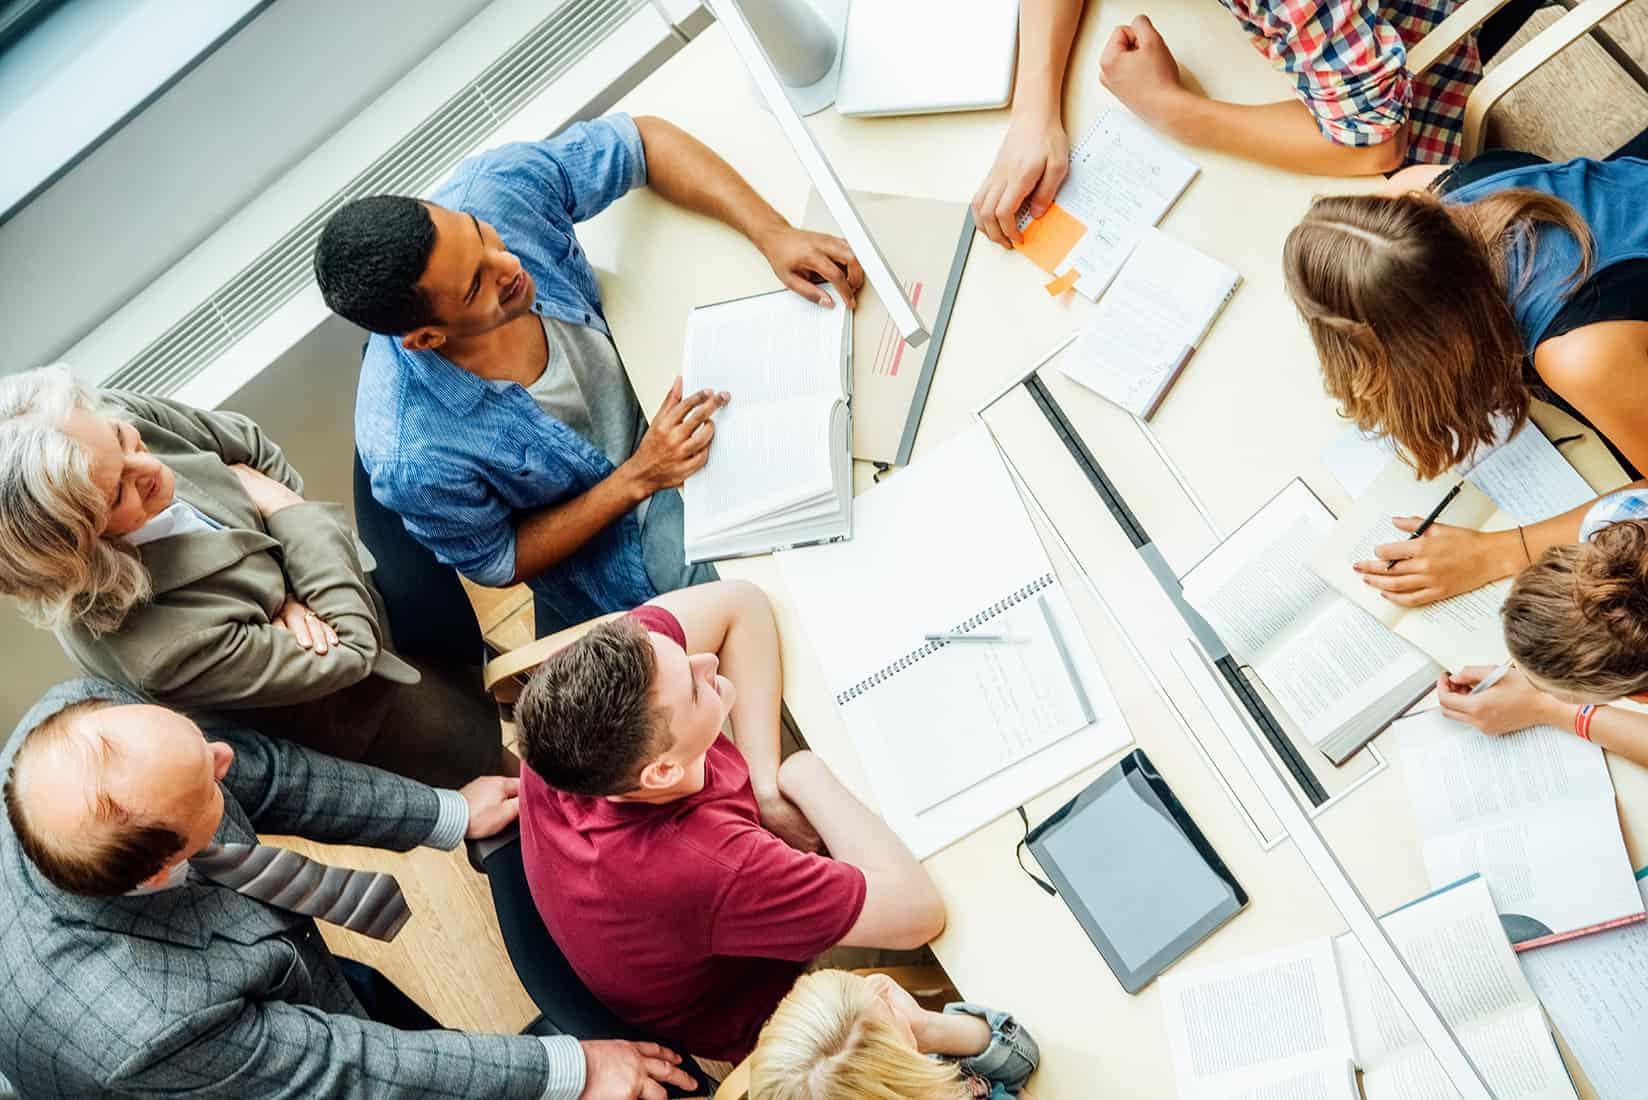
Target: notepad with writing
x,y
1282,1026
1123,179
1532,812
1150,322
952,734
1339,674
780,468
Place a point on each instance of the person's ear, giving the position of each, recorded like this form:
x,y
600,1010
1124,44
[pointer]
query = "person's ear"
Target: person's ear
x,y
162,877
222,757
662,774
426,338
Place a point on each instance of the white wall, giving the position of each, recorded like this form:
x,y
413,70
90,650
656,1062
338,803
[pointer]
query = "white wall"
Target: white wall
x,y
306,401
262,101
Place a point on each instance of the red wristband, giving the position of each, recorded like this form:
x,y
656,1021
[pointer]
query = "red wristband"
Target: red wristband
x,y
1582,720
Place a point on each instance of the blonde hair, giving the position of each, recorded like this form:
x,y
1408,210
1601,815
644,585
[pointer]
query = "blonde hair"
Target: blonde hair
x,y
1576,620
824,1043
53,559
1405,299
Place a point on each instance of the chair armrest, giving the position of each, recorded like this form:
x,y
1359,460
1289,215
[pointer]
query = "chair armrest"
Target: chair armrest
x,y
479,851
1450,32
1514,69
499,671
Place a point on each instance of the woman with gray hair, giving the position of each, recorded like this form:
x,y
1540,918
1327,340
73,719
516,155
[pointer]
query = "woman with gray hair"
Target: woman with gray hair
x,y
170,549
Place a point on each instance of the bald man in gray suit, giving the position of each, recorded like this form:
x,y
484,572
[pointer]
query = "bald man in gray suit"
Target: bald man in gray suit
x,y
132,964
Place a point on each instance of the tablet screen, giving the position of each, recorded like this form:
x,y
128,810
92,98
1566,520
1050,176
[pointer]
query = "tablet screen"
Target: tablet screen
x,y
1126,862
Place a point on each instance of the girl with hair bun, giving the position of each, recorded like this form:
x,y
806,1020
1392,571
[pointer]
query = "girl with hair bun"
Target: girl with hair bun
x,y
1576,624
842,1036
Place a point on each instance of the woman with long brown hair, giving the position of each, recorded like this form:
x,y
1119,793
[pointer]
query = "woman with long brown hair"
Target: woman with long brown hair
x,y
1440,312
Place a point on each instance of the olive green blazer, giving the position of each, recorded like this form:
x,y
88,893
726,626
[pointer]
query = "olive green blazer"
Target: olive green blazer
x,y
206,639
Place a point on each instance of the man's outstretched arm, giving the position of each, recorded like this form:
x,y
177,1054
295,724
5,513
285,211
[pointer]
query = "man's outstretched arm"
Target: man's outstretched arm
x,y
688,173
902,908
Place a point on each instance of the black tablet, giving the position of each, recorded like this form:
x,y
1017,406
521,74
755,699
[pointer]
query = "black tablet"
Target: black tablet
x,y
1135,871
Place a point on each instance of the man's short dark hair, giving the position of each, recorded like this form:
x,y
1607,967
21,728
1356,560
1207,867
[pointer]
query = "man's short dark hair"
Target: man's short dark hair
x,y
586,717
370,257
119,853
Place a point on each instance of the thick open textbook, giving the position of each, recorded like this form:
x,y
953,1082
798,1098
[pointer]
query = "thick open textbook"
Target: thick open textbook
x,y
1458,631
1276,1027
1532,812
780,467
1339,674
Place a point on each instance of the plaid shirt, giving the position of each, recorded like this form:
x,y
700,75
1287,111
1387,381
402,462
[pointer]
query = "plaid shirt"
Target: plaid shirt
x,y
1348,62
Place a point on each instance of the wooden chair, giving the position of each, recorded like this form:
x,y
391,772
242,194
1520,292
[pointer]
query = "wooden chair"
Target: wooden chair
x,y
504,676
929,985
1581,20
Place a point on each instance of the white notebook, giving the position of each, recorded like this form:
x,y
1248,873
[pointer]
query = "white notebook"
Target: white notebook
x,y
1337,672
1150,321
952,735
1532,812
1284,1026
780,467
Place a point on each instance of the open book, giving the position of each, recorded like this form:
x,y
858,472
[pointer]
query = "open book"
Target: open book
x,y
1149,323
1532,812
1276,1027
1461,630
1339,674
780,469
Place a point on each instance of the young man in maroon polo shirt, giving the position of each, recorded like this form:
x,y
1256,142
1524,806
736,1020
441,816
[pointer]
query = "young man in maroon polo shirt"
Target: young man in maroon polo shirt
x,y
678,870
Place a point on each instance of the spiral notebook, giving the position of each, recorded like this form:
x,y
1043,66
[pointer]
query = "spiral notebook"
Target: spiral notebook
x,y
952,734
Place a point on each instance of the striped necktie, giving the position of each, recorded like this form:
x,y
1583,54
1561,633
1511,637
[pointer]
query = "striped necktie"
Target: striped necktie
x,y
368,902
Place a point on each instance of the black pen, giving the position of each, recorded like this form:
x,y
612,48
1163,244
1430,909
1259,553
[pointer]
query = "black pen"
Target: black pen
x,y
1425,524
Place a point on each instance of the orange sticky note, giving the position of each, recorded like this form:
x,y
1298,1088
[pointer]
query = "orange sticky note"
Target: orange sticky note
x,y
1049,239
1063,282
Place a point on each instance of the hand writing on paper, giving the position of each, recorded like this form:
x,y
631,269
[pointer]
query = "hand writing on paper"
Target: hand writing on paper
x,y
677,443
1139,69
797,255
1511,704
1032,162
1442,562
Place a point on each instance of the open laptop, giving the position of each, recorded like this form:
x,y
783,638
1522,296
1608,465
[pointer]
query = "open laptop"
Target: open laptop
x,y
908,57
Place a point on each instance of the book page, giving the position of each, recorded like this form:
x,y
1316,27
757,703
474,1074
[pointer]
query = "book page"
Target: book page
x,y
1595,989
1324,659
768,347
1122,179
1457,631
1272,1025
764,459
1453,942
1150,320
1533,812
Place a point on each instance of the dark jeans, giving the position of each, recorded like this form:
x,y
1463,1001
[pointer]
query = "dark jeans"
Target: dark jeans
x,y
429,615
383,1000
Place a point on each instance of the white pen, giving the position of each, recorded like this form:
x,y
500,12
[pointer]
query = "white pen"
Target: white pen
x,y
1491,679
944,636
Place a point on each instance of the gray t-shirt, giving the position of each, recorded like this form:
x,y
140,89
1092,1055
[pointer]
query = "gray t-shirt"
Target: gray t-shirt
x,y
584,387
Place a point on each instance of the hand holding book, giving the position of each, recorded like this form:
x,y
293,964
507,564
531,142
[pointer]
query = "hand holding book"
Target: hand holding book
x,y
677,442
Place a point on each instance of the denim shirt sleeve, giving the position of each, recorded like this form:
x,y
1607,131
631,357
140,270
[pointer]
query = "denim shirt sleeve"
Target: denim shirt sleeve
x,y
577,173
1012,1055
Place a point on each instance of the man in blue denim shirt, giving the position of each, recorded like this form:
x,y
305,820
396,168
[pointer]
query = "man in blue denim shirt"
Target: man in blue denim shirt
x,y
493,414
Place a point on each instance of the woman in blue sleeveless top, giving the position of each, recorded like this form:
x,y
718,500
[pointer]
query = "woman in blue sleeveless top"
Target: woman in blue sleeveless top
x,y
1448,302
